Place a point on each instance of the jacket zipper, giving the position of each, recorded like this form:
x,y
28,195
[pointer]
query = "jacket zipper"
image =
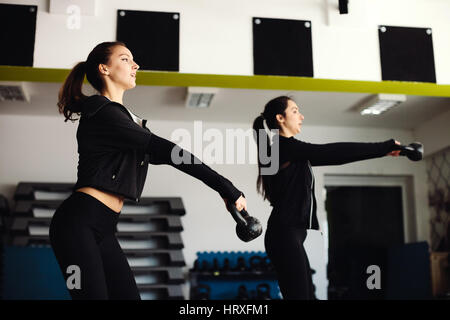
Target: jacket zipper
x,y
311,187
119,166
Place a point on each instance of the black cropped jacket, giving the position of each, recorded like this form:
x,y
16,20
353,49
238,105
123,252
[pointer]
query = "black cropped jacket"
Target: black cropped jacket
x,y
114,152
292,187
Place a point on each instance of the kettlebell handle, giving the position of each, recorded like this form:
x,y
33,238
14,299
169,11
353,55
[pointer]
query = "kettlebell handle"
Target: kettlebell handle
x,y
238,216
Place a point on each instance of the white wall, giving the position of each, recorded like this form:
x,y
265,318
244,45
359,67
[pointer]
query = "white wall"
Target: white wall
x,y
44,149
216,35
434,134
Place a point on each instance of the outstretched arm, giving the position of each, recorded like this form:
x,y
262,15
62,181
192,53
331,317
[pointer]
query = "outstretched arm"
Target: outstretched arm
x,y
113,128
163,151
338,153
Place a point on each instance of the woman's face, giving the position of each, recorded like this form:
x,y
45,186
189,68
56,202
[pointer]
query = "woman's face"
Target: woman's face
x,y
121,70
291,123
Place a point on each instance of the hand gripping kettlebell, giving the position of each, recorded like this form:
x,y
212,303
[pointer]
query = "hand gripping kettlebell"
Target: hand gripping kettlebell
x,y
247,227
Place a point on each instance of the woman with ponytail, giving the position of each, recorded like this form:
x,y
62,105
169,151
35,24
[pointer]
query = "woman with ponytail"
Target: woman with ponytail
x,y
290,190
70,92
115,148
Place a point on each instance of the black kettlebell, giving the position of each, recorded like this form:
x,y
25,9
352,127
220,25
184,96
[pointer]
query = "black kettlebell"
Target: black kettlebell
x,y
226,265
256,263
215,267
196,265
247,227
414,151
205,266
268,266
242,293
263,291
202,292
241,266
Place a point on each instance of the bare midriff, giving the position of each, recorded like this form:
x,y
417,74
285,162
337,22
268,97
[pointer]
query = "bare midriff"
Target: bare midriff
x,y
112,201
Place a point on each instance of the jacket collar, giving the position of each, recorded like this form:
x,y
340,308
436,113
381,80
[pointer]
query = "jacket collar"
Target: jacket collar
x,y
279,136
92,104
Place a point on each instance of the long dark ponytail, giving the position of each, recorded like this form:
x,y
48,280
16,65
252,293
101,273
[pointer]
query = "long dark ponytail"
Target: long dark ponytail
x,y
71,91
272,108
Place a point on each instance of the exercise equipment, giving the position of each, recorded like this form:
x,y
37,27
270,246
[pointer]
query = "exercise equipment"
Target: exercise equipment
x,y
241,265
268,266
226,265
149,233
243,293
235,270
256,263
414,151
247,227
205,265
202,292
263,291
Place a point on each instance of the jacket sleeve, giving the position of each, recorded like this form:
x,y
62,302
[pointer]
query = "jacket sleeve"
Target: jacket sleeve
x,y
163,151
113,129
338,153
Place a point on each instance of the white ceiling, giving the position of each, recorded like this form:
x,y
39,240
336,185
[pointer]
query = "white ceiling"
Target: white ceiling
x,y
243,105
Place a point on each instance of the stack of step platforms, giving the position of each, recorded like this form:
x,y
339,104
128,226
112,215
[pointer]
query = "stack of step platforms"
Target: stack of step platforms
x,y
148,232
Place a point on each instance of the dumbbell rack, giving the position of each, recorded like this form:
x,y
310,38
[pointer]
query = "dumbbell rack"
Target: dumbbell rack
x,y
232,275
148,232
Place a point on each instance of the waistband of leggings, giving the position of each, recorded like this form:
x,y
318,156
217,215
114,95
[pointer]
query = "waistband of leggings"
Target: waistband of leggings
x,y
96,202
287,220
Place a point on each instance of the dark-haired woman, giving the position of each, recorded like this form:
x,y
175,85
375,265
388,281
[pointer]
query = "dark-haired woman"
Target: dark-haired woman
x,y
291,190
115,148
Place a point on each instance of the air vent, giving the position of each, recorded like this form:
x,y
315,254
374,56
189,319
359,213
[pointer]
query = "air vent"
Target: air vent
x,y
13,92
199,97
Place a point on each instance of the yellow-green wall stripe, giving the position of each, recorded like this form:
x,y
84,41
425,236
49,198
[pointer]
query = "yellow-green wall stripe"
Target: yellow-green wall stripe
x,y
151,78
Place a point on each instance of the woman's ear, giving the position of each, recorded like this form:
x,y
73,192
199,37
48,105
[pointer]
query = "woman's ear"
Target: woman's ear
x,y
279,118
103,70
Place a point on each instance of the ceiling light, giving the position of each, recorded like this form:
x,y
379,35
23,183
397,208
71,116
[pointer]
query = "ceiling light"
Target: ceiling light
x,y
381,103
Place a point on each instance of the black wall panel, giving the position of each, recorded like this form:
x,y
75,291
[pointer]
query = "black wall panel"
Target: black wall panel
x,y
17,34
282,47
406,54
152,37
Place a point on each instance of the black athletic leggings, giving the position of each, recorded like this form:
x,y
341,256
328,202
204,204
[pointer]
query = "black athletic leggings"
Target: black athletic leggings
x,y
284,247
82,233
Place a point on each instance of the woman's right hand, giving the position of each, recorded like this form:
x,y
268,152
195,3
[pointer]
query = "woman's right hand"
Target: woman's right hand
x,y
395,153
